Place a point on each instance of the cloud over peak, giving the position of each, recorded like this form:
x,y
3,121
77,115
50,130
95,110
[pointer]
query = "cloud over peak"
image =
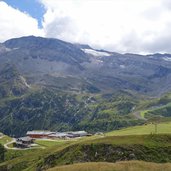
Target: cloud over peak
x,y
115,25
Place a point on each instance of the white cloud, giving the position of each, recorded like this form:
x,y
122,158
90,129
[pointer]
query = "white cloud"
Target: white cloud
x,y
117,25
14,23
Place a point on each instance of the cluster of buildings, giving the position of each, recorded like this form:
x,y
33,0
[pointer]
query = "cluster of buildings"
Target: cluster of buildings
x,y
56,135
26,142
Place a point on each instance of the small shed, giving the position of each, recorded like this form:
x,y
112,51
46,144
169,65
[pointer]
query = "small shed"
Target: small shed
x,y
24,142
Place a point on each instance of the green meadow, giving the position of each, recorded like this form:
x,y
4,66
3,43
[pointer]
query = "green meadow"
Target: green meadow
x,y
162,128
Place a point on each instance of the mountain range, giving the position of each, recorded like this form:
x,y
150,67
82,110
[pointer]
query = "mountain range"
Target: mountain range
x,y
51,84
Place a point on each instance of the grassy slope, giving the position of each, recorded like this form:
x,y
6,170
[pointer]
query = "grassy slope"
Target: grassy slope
x,y
5,139
68,150
29,160
119,166
162,128
49,143
112,149
155,107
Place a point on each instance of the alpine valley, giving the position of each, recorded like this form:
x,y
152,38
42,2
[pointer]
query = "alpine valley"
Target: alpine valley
x,y
49,84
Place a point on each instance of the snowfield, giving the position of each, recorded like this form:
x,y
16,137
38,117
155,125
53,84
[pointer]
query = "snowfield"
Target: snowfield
x,y
95,52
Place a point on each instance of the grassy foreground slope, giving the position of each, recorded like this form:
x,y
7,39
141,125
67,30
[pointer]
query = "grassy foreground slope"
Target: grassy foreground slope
x,y
162,128
109,149
123,145
105,149
119,166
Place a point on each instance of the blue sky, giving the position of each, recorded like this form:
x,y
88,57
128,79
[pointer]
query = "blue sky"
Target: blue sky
x,y
31,7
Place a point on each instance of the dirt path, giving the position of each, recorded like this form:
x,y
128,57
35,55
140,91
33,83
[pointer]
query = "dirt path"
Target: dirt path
x,y
8,143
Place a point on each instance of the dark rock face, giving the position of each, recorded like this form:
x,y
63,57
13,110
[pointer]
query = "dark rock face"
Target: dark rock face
x,y
48,49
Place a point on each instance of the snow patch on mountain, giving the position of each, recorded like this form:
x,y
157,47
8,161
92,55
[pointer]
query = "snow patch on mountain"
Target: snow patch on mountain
x,y
95,52
122,66
167,59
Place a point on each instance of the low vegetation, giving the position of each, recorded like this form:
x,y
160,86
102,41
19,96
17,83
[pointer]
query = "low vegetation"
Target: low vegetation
x,y
2,153
162,128
95,149
5,139
51,143
119,166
